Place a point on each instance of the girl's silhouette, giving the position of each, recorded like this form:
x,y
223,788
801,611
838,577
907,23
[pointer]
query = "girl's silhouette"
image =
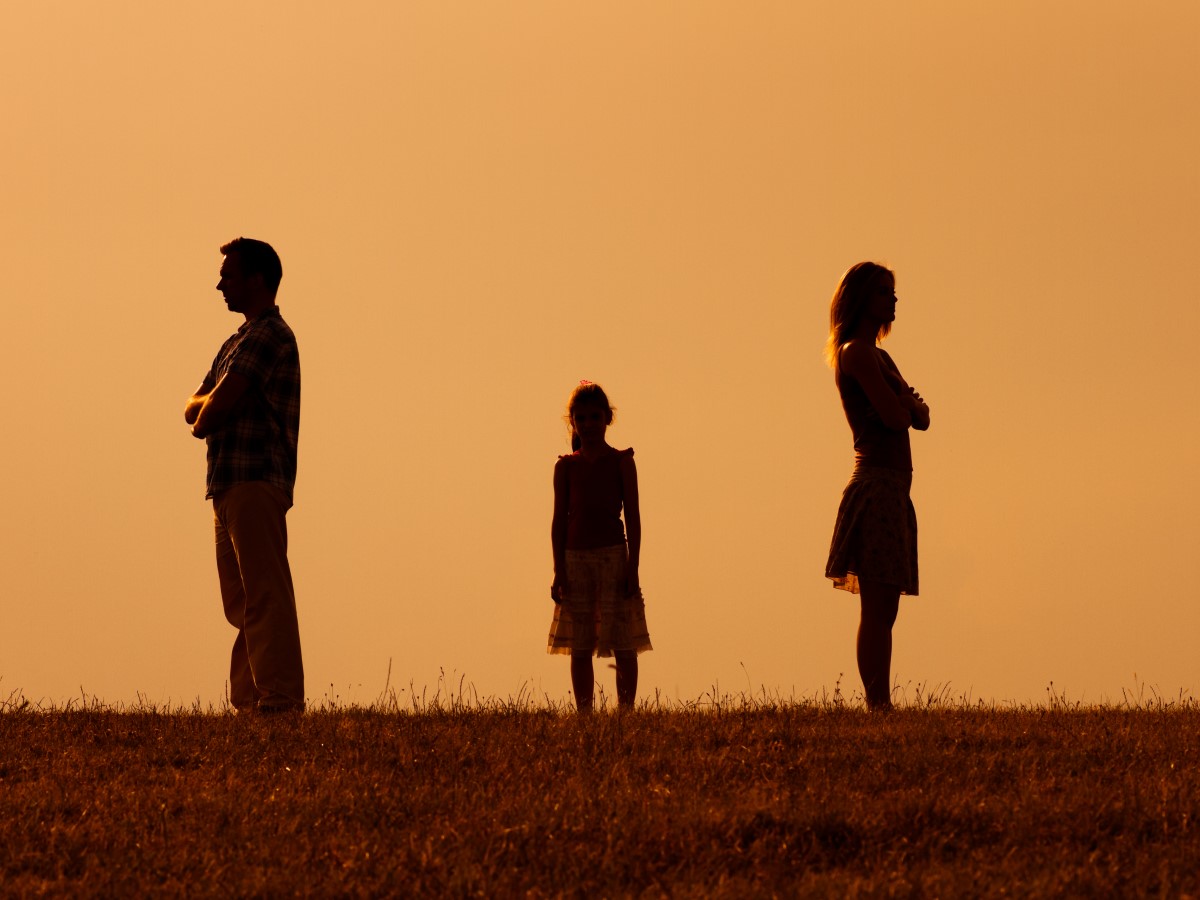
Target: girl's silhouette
x,y
598,598
874,547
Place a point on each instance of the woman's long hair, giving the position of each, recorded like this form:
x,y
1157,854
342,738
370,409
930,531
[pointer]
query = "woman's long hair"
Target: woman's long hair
x,y
847,306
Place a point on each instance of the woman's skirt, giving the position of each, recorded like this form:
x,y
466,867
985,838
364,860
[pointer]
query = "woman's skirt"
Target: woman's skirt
x,y
596,614
875,537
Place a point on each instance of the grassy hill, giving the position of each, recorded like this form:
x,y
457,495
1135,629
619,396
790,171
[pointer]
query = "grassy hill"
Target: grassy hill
x,y
733,798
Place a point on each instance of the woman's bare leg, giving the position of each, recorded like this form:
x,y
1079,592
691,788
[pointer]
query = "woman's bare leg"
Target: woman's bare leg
x,y
880,604
627,678
583,680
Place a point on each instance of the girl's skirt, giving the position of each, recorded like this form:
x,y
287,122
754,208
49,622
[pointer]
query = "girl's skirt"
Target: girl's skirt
x,y
875,537
596,614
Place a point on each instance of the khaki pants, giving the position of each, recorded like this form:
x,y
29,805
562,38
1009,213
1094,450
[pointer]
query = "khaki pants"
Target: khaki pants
x,y
256,588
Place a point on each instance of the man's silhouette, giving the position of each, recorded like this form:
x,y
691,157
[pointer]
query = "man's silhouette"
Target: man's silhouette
x,y
248,410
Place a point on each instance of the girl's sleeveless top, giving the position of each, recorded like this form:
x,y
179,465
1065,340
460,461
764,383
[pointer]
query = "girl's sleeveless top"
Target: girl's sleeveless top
x,y
594,499
875,445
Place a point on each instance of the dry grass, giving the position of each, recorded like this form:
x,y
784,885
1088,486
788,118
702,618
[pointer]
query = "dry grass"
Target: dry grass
x,y
737,797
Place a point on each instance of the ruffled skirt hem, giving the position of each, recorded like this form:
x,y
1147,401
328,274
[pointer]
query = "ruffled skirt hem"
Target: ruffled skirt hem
x,y
596,615
875,535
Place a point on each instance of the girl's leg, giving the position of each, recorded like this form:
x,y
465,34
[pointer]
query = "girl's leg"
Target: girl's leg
x,y
583,680
627,678
880,604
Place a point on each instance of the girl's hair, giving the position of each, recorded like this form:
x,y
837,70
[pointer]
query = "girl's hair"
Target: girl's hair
x,y
847,306
587,393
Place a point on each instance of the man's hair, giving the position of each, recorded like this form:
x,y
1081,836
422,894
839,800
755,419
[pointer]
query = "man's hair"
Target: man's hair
x,y
256,258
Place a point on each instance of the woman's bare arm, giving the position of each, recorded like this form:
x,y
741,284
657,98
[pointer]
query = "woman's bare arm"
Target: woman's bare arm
x,y
862,362
633,520
917,408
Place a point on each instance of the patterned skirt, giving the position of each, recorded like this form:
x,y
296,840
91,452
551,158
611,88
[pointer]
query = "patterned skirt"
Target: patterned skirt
x,y
875,537
596,615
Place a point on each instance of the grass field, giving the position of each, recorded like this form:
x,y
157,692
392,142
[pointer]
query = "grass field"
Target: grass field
x,y
721,798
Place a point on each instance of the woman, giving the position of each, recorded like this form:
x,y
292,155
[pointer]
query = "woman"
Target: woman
x,y
874,547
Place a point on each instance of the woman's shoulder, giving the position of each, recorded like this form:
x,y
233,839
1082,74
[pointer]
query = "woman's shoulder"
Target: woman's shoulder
x,y
857,354
858,347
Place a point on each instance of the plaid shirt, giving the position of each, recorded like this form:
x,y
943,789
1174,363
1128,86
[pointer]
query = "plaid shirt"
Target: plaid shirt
x,y
258,441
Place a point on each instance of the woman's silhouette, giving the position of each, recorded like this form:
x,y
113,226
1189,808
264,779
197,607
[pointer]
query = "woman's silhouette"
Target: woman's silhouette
x,y
874,548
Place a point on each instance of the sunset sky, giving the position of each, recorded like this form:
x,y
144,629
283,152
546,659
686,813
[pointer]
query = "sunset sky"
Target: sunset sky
x,y
479,204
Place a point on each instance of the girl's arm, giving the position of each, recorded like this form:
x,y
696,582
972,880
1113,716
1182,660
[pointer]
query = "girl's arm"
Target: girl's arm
x,y
558,530
633,520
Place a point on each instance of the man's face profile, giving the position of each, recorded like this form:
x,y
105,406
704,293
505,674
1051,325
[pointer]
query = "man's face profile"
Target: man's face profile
x,y
234,286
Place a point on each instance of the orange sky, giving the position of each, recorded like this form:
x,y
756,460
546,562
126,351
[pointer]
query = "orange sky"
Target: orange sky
x,y
479,204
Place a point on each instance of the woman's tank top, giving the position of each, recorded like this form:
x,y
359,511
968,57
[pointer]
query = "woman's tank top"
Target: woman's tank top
x,y
874,443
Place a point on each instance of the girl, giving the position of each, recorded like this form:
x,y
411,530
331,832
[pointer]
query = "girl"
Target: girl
x,y
874,547
598,599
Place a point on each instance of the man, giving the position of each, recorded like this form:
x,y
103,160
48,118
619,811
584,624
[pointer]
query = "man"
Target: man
x,y
248,410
